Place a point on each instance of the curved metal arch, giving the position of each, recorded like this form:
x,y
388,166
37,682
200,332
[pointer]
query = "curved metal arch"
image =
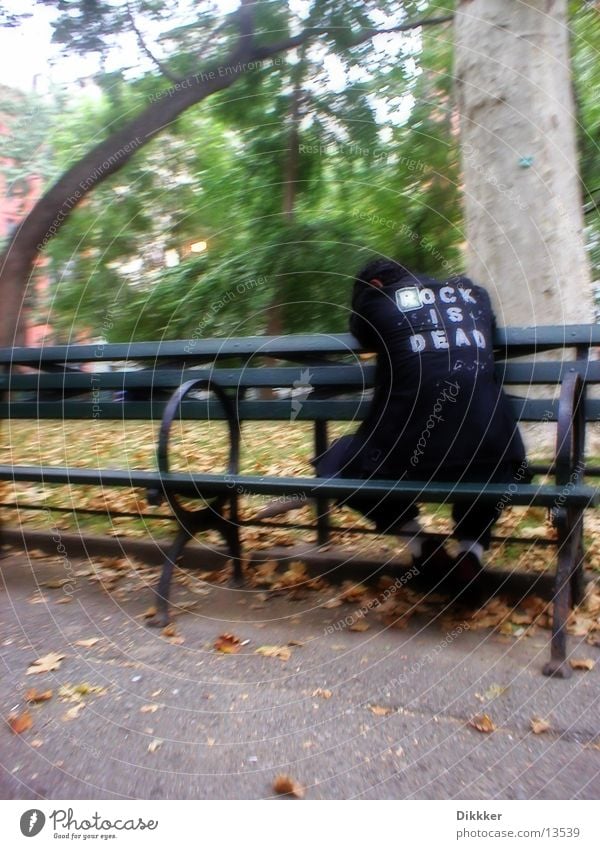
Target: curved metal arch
x,y
186,516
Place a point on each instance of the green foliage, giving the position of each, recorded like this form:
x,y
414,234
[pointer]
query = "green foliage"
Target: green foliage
x,y
370,150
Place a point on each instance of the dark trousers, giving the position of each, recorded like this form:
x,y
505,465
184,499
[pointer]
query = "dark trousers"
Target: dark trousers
x,y
473,520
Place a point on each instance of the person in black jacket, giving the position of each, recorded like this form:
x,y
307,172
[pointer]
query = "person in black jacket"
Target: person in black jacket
x,y
438,412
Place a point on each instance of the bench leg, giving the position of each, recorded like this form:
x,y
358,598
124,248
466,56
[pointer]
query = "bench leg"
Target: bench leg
x,y
558,666
231,532
578,582
164,585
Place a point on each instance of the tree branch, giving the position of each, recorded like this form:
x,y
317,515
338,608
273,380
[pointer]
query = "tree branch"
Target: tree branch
x,y
313,32
160,65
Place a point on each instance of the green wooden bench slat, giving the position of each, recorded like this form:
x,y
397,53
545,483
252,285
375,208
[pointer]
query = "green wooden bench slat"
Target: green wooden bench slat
x,y
317,376
516,340
277,410
547,372
334,375
211,485
526,410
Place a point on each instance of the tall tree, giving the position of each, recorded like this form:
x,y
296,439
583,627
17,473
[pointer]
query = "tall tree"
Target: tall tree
x,y
522,192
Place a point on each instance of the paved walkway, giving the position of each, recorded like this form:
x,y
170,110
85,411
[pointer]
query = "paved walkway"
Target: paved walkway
x,y
380,713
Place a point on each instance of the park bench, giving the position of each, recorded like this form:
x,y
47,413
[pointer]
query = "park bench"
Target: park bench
x,y
319,378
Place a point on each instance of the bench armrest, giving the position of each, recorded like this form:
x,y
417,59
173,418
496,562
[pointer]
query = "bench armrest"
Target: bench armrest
x,y
155,496
570,433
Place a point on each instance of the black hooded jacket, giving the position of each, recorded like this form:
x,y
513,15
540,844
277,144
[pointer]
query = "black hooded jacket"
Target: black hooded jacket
x,y
438,409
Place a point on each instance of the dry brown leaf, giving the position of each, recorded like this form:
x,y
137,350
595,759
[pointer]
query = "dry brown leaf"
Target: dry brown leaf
x,y
360,625
87,644
149,708
333,602
228,644
47,663
154,745
55,584
19,722
282,652
32,695
169,630
324,694
73,713
538,726
65,600
378,710
284,785
353,592
585,663
76,692
149,613
35,744
482,722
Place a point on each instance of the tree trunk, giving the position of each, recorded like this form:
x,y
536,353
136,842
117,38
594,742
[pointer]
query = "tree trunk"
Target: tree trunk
x,y
290,186
523,202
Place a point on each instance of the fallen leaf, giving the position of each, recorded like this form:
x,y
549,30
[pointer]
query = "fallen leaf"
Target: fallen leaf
x,y
55,584
227,644
19,722
35,744
149,708
76,692
494,690
361,625
32,695
282,652
583,663
378,710
154,745
149,613
47,663
87,644
286,786
295,643
324,694
169,630
73,713
482,722
65,600
538,726
333,602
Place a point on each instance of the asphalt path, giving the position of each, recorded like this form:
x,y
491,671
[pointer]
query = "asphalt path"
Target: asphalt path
x,y
377,714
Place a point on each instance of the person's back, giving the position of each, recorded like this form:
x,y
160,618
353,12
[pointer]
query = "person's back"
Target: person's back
x,y
438,411
438,408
